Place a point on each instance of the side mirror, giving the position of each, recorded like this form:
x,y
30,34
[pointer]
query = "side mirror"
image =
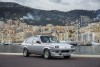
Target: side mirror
x,y
38,42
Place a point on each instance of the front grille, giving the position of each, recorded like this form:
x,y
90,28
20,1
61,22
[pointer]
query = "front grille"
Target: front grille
x,y
65,51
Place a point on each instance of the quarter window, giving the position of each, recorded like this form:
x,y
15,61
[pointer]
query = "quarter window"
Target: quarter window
x,y
29,40
35,39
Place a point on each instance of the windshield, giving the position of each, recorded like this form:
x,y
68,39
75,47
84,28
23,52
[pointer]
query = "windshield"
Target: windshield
x,y
49,39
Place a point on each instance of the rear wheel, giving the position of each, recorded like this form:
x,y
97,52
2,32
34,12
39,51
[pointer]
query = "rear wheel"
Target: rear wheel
x,y
67,57
25,53
47,54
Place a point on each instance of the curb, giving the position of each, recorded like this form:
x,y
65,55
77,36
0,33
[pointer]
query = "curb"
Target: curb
x,y
11,54
88,56
73,55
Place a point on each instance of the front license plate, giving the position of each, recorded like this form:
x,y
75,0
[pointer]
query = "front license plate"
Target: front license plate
x,y
65,54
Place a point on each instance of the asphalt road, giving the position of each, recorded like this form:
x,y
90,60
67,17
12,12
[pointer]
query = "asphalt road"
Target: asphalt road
x,y
38,61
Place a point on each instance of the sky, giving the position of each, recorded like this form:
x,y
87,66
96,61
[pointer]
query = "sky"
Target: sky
x,y
61,5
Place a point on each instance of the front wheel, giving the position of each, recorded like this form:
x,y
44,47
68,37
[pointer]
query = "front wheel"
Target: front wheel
x,y
47,54
25,53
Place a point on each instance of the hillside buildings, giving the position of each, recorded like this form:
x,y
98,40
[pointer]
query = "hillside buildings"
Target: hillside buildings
x,y
91,33
16,31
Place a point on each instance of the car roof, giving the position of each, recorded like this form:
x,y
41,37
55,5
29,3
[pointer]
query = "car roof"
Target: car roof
x,y
40,35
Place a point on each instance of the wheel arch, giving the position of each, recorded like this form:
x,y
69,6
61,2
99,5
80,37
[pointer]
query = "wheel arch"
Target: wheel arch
x,y
46,48
24,47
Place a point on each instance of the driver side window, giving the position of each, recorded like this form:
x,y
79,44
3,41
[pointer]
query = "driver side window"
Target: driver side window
x,y
45,39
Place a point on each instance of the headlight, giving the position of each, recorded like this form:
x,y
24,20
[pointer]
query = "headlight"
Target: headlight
x,y
56,46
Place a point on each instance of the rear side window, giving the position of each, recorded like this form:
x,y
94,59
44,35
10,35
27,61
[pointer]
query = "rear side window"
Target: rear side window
x,y
29,40
35,39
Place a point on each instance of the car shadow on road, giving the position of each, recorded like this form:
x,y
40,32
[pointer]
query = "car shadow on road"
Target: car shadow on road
x,y
53,58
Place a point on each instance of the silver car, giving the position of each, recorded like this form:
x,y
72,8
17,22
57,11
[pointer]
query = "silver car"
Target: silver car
x,y
47,46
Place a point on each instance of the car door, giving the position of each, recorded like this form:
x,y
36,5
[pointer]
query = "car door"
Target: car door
x,y
28,43
37,47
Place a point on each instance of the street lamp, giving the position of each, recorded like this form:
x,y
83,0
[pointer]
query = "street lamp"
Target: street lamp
x,y
78,30
2,37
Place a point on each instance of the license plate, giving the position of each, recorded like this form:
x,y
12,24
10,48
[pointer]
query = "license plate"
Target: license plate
x,y
65,54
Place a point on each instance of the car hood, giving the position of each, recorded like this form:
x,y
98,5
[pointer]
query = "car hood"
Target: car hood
x,y
61,45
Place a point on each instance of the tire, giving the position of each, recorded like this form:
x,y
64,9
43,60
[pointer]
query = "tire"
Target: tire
x,y
67,57
47,54
25,53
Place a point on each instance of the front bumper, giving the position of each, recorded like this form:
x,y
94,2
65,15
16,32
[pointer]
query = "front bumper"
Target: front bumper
x,y
61,52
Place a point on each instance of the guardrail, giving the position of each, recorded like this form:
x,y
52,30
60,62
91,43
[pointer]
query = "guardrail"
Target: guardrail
x,y
12,48
91,50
